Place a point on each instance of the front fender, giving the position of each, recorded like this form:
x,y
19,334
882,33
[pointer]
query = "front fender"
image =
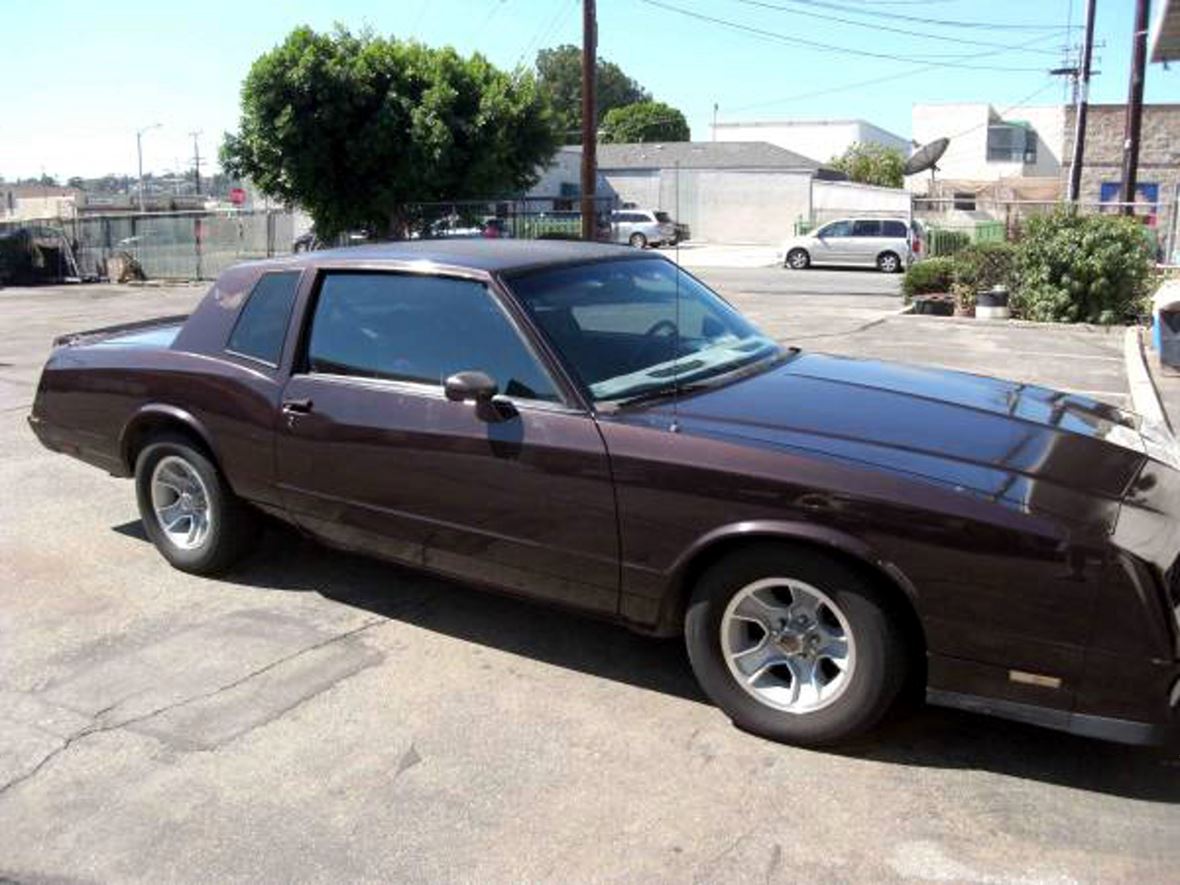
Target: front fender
x,y
689,563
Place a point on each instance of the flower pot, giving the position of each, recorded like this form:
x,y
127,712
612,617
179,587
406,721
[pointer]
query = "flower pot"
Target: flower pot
x,y
992,304
939,304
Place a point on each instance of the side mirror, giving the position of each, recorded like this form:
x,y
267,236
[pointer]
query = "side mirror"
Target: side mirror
x,y
478,386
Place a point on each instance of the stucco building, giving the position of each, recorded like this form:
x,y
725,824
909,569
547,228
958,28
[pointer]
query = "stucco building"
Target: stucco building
x,y
818,140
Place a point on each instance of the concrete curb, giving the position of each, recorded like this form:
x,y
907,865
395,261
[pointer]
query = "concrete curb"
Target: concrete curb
x,y
1145,399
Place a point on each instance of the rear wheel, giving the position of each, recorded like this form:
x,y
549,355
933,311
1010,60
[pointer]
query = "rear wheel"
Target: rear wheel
x,y
794,645
638,240
888,262
188,510
798,259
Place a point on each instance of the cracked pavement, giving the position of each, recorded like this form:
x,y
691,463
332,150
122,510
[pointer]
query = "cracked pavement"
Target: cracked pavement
x,y
321,717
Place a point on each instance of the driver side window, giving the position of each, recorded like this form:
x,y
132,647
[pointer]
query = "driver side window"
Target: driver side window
x,y
409,327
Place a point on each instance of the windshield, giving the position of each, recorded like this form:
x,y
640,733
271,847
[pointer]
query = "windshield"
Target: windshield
x,y
638,326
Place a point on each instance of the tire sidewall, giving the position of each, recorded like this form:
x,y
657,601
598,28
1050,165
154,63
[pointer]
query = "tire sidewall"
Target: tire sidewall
x,y
879,664
199,558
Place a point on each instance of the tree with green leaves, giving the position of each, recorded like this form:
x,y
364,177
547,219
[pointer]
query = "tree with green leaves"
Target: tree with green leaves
x,y
357,130
559,73
869,163
644,121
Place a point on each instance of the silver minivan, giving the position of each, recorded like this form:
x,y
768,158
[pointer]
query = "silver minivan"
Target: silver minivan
x,y
883,243
642,227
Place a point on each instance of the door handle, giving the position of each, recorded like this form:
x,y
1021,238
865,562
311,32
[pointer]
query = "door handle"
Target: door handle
x,y
297,406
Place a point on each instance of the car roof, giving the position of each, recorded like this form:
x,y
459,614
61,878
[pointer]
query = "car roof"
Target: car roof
x,y
492,255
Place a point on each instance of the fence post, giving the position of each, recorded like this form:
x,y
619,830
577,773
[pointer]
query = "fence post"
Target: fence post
x,y
198,230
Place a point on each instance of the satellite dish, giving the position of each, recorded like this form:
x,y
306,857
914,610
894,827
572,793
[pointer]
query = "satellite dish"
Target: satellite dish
x,y
925,157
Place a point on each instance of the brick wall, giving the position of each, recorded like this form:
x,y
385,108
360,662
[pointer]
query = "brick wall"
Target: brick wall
x,y
1159,152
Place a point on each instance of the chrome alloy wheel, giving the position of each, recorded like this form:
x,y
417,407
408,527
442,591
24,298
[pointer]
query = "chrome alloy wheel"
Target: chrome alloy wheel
x,y
181,503
788,645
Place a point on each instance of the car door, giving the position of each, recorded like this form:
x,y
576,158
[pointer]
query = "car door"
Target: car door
x,y
865,242
832,243
372,456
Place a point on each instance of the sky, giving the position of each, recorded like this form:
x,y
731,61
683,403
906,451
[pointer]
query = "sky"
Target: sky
x,y
78,78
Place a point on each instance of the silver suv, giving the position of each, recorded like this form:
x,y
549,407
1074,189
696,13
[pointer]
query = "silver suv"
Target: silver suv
x,y
642,227
883,243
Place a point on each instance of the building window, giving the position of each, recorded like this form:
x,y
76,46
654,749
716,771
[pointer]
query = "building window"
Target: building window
x,y
1011,143
965,200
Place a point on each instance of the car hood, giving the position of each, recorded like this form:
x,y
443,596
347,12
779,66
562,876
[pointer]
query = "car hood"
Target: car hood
x,y
1041,449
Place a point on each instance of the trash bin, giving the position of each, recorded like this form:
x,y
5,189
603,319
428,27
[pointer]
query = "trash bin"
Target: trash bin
x,y
1165,323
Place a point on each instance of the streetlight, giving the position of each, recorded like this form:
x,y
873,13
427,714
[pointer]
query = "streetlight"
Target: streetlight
x,y
139,151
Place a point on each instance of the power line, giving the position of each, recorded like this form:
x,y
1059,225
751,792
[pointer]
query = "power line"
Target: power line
x,y
856,85
826,47
877,26
925,20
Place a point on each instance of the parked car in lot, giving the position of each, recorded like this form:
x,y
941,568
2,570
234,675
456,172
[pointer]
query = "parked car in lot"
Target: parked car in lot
x,y
593,427
883,243
643,227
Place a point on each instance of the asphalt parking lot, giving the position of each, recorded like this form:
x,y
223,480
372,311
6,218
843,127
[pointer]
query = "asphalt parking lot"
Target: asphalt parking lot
x,y
320,717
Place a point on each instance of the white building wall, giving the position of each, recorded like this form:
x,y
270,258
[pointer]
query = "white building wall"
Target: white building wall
x,y
833,199
565,167
819,140
736,205
966,125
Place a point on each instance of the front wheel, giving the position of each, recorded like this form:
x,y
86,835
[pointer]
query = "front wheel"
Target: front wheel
x,y
794,645
188,510
798,259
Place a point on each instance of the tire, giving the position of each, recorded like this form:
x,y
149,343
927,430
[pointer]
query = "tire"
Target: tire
x,y
837,703
889,262
798,259
171,463
638,240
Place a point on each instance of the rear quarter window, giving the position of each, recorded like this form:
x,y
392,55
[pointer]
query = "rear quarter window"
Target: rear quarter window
x,y
261,328
893,229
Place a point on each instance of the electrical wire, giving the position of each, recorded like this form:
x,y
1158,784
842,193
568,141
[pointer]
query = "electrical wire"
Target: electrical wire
x,y
827,47
878,26
944,23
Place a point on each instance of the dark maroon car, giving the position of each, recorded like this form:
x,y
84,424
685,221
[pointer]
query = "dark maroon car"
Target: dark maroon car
x,y
587,425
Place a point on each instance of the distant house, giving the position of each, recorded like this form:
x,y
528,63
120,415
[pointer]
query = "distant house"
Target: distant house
x,y
26,202
819,140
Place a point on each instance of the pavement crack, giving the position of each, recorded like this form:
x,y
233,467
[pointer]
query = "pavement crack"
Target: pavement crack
x,y
100,728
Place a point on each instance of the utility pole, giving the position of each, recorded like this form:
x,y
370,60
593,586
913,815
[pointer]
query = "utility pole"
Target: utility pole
x,y
197,158
1134,107
1081,108
589,119
139,153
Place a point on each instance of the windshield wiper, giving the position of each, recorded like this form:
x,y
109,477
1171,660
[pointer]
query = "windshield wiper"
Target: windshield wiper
x,y
727,375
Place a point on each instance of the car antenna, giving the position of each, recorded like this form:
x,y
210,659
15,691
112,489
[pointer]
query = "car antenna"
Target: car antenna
x,y
675,426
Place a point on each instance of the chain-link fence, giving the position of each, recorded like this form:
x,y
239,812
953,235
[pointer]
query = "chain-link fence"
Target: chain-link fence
x,y
173,245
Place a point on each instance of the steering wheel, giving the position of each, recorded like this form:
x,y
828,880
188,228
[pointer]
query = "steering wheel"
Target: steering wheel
x,y
661,324
659,330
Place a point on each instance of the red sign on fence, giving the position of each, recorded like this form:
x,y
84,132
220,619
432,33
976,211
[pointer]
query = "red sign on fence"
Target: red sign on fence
x,y
237,196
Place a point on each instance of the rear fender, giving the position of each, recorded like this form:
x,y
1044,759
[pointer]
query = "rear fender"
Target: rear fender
x,y
160,415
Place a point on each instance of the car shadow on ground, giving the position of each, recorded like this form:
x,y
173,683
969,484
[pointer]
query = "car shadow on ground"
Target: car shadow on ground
x,y
916,735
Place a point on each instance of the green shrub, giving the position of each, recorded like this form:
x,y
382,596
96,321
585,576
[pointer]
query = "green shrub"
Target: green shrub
x,y
985,265
1082,269
925,277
